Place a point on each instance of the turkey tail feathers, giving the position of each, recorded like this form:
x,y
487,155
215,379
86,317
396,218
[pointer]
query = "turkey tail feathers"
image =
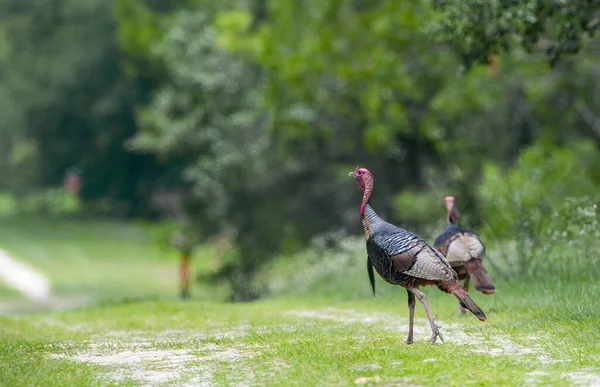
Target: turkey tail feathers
x,y
463,298
481,279
467,303
371,274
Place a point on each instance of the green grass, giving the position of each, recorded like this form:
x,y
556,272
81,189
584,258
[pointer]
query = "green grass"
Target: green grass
x,y
101,260
320,327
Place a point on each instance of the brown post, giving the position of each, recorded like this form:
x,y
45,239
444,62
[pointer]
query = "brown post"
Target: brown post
x,y
184,273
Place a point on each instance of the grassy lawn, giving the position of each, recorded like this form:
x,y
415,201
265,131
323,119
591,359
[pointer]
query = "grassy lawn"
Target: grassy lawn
x,y
92,261
325,331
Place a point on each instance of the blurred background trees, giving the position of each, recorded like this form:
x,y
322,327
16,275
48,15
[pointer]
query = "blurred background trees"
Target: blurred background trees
x,y
249,114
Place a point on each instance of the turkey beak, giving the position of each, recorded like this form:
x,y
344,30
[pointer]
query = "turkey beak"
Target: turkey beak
x,y
352,174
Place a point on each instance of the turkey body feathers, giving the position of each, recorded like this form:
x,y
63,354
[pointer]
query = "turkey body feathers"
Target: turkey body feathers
x,y
464,251
403,258
481,279
396,262
458,244
446,235
398,254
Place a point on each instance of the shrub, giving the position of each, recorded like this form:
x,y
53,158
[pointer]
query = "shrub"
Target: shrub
x,y
540,215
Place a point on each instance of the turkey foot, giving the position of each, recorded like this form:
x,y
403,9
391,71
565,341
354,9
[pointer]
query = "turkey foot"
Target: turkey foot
x,y
435,334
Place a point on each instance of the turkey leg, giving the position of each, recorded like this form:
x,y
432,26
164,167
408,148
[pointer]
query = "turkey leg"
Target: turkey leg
x,y
435,331
411,318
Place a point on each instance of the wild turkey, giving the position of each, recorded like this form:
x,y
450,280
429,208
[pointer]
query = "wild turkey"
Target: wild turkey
x,y
403,258
464,250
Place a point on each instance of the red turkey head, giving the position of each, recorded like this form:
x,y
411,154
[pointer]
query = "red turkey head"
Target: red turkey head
x,y
363,177
450,207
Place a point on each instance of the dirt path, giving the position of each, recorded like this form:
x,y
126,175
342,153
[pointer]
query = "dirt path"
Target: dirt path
x,y
22,277
147,358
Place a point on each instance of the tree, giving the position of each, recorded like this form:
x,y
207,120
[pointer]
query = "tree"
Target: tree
x,y
478,29
67,101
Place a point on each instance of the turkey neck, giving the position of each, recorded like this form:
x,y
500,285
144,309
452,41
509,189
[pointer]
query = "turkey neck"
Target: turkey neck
x,y
367,214
368,189
451,217
369,219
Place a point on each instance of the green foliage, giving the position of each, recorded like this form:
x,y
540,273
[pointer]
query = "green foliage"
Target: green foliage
x,y
67,101
206,114
138,28
233,26
161,234
421,210
542,177
477,29
50,202
543,203
351,60
55,201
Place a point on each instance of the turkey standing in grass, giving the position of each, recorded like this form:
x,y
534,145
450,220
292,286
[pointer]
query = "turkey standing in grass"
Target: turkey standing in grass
x,y
464,250
403,258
